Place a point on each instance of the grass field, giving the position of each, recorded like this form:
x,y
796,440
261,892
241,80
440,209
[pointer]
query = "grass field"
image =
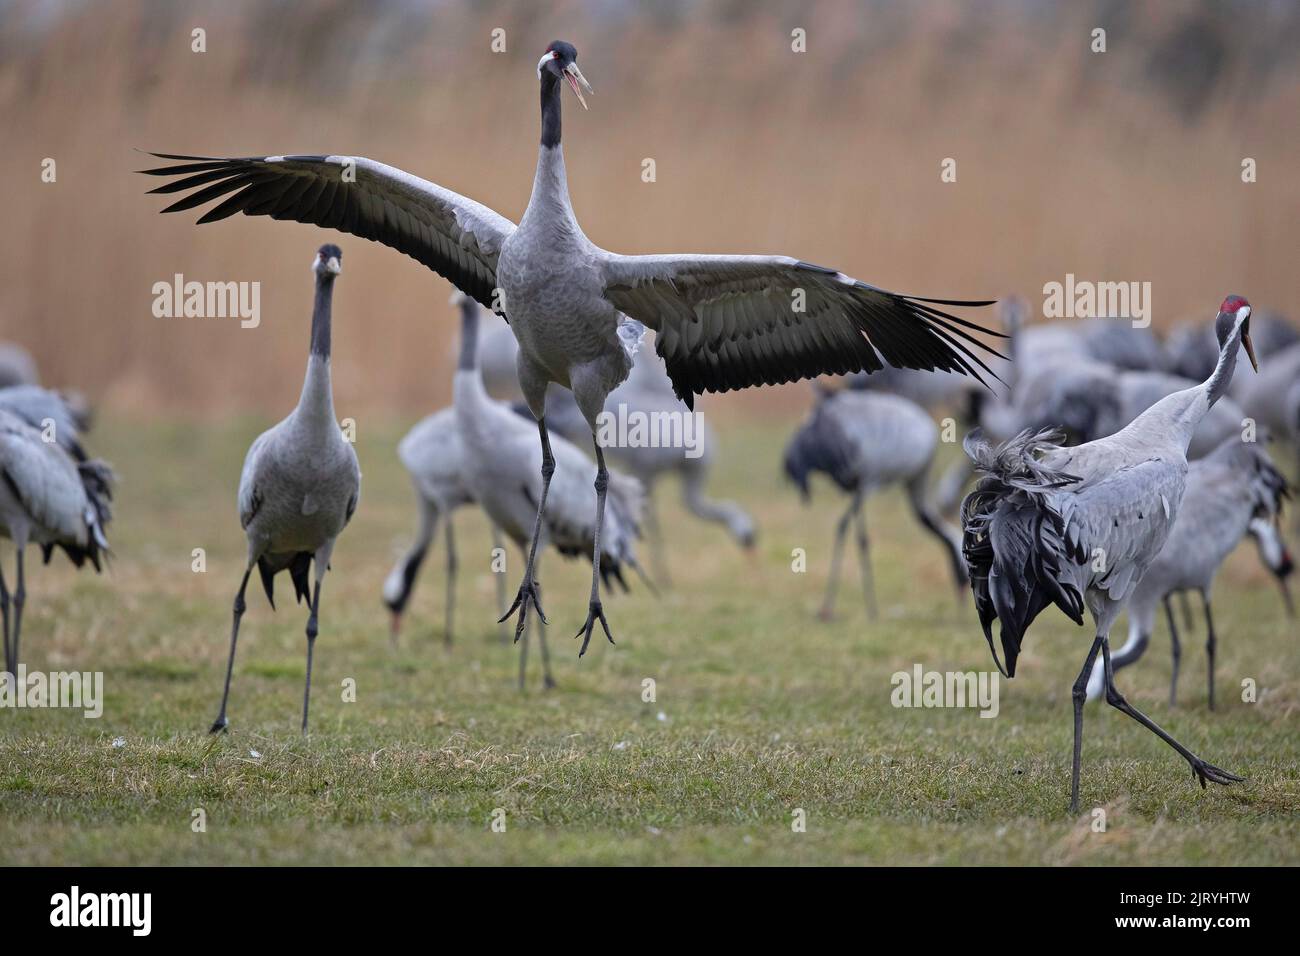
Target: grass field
x,y
761,708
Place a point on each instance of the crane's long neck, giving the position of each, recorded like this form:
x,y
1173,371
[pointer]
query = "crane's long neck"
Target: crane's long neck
x,y
468,393
550,198
702,506
316,405
1217,384
468,338
1175,417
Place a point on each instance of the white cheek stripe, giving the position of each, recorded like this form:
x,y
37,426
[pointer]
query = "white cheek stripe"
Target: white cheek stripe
x,y
548,55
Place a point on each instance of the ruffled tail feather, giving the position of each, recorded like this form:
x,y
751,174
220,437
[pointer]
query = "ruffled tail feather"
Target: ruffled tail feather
x,y
1013,540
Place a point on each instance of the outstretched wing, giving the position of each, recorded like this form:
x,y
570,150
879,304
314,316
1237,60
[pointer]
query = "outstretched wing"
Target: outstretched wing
x,y
726,322
455,237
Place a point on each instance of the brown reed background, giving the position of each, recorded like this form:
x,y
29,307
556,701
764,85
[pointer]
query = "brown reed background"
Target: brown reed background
x,y
1116,166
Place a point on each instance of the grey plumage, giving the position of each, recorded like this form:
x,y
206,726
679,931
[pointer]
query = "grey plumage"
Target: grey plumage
x,y
61,415
1078,527
299,486
578,311
1226,492
866,441
49,498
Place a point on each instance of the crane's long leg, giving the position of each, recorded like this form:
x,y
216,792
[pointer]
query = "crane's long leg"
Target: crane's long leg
x,y
837,553
1204,771
1080,695
19,599
1210,642
864,564
1175,649
934,524
594,610
655,534
221,722
548,681
527,589
498,547
322,561
4,611
523,653
452,564
410,564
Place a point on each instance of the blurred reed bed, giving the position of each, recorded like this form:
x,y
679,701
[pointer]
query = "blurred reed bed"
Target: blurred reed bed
x,y
1116,166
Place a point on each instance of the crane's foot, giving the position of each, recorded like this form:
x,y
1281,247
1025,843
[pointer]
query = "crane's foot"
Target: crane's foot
x,y
527,596
219,725
1208,772
594,613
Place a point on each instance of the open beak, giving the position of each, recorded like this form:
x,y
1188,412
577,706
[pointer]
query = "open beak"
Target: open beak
x,y
575,77
1250,349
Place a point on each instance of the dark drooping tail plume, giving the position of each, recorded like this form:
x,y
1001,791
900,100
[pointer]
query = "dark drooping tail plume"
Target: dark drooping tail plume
x,y
1013,539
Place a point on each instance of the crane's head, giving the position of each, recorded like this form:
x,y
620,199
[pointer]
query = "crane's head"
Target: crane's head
x,y
1233,314
561,61
328,261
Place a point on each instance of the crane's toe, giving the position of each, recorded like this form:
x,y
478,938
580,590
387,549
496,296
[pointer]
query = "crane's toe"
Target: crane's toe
x,y
219,725
526,597
1208,772
594,613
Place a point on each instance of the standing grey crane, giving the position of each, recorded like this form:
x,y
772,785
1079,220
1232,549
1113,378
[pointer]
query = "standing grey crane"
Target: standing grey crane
x,y
498,468
49,498
866,441
299,486
1227,491
1078,526
578,311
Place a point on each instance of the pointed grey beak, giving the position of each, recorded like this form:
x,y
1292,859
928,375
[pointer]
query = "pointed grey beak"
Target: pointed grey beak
x,y
575,77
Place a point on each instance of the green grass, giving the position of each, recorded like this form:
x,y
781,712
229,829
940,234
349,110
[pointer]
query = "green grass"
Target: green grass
x,y
761,708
